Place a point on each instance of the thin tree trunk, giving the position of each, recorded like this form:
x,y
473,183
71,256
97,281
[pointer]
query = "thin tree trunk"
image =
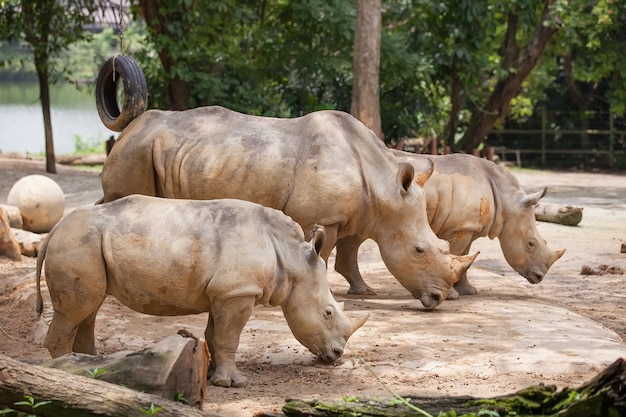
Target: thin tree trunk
x,y
457,98
44,91
497,105
366,66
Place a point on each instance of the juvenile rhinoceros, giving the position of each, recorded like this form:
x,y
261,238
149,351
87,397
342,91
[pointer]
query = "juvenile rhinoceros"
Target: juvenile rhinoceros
x,y
324,168
469,197
170,257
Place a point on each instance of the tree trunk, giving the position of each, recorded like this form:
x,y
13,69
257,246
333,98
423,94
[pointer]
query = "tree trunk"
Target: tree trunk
x,y
603,396
177,94
457,98
41,64
366,66
497,105
71,396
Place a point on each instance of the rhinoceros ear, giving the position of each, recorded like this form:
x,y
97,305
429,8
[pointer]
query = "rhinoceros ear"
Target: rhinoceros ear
x,y
318,237
423,176
533,199
405,176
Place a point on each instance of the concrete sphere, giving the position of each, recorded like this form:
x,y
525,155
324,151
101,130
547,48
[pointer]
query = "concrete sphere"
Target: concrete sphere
x,y
40,200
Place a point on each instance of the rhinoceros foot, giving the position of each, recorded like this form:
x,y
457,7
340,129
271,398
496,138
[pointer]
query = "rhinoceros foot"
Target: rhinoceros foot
x,y
465,288
361,290
453,294
233,379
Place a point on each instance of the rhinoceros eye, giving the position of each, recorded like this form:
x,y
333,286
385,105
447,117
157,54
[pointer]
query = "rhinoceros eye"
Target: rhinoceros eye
x,y
328,312
419,249
531,244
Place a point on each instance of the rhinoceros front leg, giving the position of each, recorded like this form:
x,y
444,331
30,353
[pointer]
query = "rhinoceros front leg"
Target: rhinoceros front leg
x,y
226,322
346,264
462,286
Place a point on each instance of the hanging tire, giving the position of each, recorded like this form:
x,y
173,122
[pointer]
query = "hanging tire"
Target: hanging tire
x,y
135,100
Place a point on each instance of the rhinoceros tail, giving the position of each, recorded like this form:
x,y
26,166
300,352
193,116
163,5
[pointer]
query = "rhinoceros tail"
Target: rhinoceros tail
x,y
40,258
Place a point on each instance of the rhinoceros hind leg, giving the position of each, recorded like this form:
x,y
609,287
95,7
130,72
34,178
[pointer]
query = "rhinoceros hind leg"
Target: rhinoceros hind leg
x,y
60,336
346,264
85,342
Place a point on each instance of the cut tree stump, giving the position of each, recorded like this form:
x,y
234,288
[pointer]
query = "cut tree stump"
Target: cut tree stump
x,y
602,396
174,368
74,396
8,245
13,216
556,213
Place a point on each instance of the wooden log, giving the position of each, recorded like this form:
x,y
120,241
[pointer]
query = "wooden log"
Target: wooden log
x,y
602,396
556,213
72,396
175,368
9,247
91,159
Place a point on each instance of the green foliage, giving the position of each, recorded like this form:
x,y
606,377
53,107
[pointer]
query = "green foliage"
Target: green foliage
x,y
95,373
29,401
152,410
89,145
290,57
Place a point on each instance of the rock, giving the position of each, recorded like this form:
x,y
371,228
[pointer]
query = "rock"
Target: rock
x,y
40,200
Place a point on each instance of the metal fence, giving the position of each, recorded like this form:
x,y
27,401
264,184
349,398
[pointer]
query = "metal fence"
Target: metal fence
x,y
565,140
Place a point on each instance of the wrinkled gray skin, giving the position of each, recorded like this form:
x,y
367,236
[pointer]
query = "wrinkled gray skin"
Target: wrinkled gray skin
x,y
469,197
176,257
324,168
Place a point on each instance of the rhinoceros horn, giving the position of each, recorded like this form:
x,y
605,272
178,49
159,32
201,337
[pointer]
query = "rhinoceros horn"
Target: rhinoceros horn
x,y
358,321
460,264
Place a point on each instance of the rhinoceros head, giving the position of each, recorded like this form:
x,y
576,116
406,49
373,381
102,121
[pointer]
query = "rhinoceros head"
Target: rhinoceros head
x,y
412,252
312,313
523,248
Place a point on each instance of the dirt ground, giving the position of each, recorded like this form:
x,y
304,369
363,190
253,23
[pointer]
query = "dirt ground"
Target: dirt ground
x,y
512,334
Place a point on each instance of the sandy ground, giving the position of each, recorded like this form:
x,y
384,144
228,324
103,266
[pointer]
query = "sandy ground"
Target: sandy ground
x,y
512,334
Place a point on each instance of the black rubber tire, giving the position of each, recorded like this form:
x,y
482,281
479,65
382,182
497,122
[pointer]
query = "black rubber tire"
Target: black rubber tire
x,y
118,68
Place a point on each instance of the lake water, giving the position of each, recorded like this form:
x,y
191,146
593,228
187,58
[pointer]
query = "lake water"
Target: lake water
x,y
73,112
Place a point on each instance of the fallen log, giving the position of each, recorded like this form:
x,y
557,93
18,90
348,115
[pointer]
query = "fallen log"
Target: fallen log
x,y
57,393
175,368
603,396
122,384
556,213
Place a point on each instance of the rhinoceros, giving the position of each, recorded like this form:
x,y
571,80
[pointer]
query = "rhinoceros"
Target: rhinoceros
x,y
468,198
169,257
324,168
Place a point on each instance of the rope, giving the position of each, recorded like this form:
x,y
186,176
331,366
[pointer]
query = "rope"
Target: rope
x,y
122,29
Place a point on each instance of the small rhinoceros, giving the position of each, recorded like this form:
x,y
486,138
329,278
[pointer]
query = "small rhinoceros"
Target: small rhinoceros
x,y
469,197
324,168
175,257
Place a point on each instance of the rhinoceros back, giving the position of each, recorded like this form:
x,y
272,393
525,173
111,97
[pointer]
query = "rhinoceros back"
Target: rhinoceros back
x,y
296,165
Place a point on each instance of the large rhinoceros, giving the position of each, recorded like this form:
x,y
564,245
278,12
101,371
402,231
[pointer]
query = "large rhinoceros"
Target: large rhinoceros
x,y
170,257
469,197
324,168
